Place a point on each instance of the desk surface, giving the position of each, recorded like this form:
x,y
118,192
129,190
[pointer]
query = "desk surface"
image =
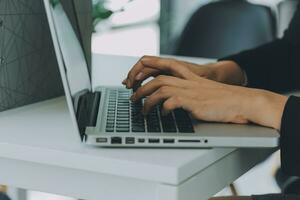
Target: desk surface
x,y
43,133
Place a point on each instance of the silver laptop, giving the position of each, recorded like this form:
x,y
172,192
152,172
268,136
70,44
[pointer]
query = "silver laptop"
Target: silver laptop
x,y
106,117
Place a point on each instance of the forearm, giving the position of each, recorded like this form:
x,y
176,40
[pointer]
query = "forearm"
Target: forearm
x,y
262,107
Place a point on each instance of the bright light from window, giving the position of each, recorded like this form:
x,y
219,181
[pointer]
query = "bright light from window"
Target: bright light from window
x,y
135,12
134,31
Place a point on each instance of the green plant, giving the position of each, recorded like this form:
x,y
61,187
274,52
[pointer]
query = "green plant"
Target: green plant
x,y
54,2
100,12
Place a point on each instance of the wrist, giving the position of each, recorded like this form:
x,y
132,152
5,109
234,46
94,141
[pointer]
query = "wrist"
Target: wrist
x,y
265,108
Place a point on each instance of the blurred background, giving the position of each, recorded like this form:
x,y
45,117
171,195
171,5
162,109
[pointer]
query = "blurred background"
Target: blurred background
x,y
139,27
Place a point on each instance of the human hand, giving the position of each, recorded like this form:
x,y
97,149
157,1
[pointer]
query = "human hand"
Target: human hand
x,y
225,71
209,100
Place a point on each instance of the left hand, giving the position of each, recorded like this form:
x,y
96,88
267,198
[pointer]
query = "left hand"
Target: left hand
x,y
211,101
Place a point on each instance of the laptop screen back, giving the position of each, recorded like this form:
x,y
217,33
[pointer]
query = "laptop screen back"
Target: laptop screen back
x,y
79,13
69,52
75,65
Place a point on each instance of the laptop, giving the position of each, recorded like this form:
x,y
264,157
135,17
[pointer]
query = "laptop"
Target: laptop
x,y
106,117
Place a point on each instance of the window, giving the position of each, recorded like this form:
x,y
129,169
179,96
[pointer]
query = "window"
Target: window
x,y
133,31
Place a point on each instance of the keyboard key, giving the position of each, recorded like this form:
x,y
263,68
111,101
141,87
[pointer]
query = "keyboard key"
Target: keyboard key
x,y
122,129
124,115
138,129
123,123
184,122
153,129
123,120
109,130
168,123
110,122
152,119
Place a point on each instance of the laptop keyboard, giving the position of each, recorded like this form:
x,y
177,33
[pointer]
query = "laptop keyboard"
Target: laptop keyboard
x,y
125,116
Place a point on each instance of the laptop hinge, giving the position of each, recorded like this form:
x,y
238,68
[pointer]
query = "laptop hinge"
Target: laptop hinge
x,y
87,111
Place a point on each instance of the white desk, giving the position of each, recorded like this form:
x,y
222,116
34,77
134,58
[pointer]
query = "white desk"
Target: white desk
x,y
40,151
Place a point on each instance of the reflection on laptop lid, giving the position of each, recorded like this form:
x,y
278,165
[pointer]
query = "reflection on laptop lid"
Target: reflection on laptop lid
x,y
79,14
75,65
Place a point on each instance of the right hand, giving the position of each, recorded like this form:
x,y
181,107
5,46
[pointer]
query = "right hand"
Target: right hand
x,y
225,71
185,87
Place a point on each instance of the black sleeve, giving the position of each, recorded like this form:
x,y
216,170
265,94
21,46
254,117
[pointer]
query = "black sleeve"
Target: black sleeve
x,y
274,66
3,196
290,137
276,197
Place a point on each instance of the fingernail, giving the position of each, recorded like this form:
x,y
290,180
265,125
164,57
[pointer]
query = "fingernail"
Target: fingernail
x,y
145,60
139,76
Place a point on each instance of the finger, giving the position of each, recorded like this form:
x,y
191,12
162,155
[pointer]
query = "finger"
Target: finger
x,y
142,75
156,83
168,65
184,101
135,70
146,73
132,73
170,105
159,96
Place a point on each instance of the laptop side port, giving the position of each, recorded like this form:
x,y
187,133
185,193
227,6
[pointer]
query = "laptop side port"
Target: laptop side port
x,y
116,140
153,140
101,140
168,141
189,141
129,140
141,140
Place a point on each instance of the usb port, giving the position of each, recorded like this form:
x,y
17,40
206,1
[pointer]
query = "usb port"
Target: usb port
x,y
169,141
141,140
101,140
153,140
116,140
129,140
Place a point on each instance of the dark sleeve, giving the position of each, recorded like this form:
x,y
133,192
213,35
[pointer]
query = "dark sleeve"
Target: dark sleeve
x,y
290,137
3,196
276,197
274,66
